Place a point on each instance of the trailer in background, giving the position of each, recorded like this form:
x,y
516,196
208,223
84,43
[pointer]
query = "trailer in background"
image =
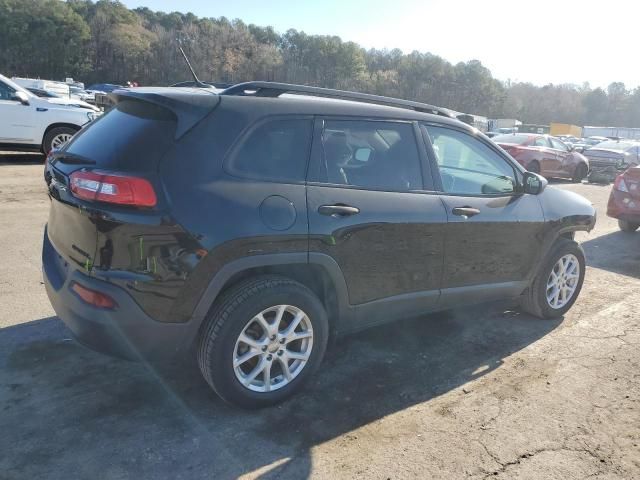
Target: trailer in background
x,y
612,132
495,124
565,129
532,128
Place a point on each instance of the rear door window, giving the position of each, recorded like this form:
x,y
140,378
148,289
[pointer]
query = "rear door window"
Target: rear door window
x,y
374,155
276,150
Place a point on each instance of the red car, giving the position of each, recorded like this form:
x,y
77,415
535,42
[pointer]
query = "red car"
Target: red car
x,y
624,200
545,155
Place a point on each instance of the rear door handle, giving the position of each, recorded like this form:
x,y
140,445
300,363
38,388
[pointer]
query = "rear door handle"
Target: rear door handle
x,y
465,211
338,210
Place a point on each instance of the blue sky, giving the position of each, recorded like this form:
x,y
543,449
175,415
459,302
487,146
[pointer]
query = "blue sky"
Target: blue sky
x,y
559,41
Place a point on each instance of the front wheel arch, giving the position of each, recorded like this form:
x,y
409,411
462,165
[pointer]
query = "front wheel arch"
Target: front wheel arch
x,y
72,126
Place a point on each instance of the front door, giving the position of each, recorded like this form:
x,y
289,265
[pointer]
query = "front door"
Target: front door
x,y
371,210
564,160
493,233
15,124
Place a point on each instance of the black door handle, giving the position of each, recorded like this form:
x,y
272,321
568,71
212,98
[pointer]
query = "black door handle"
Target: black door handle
x,y
337,210
465,211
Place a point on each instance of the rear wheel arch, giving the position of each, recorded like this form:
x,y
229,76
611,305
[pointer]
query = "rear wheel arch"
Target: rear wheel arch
x,y
321,274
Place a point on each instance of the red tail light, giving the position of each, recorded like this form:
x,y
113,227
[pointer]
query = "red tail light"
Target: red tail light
x,y
512,150
92,297
619,184
113,188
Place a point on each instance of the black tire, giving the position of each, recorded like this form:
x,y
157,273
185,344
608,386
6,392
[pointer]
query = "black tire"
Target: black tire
x,y
534,299
628,226
534,167
227,321
580,173
47,143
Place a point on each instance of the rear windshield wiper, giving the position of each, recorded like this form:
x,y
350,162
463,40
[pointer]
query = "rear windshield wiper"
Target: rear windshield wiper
x,y
71,158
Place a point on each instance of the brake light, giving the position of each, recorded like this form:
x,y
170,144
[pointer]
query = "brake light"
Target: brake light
x,y
511,149
93,297
619,184
113,188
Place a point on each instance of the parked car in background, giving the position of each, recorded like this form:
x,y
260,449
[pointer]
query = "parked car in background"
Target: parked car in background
x,y
55,98
585,143
545,155
28,122
609,159
492,134
568,139
38,92
353,213
103,87
59,88
624,200
81,94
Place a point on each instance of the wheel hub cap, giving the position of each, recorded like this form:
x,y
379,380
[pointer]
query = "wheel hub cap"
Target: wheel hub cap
x,y
273,348
563,281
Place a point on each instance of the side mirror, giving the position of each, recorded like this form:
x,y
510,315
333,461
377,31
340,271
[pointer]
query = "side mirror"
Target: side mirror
x,y
533,183
21,97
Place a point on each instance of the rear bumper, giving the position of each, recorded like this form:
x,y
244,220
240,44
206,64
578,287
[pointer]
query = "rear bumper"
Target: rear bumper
x,y
623,207
125,331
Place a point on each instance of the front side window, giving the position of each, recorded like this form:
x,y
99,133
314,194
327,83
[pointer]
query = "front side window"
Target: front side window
x,y
277,149
370,154
468,166
6,92
558,145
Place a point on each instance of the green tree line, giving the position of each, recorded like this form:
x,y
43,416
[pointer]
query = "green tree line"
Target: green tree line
x,y
104,41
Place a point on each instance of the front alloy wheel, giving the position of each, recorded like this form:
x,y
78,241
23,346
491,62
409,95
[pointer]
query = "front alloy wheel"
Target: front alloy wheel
x,y
563,281
558,281
273,348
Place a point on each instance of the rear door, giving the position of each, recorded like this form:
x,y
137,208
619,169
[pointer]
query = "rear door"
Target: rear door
x,y
493,233
373,210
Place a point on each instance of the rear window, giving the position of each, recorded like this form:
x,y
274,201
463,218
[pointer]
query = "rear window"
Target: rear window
x,y
276,150
512,139
133,135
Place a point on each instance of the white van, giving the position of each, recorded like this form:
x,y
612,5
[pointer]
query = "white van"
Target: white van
x,y
31,123
59,88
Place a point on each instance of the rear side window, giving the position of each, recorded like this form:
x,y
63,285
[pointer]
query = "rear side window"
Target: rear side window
x,y
133,135
371,154
277,150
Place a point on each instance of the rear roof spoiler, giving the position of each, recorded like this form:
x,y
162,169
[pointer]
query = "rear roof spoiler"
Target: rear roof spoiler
x,y
189,105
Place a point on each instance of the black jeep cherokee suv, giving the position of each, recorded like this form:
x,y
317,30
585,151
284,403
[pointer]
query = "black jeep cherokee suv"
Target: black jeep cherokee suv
x,y
257,222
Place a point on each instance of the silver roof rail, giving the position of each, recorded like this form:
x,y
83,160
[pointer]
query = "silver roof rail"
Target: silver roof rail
x,y
274,89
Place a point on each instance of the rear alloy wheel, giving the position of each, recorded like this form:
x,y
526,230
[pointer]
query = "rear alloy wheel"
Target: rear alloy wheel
x,y
534,167
628,227
558,282
580,173
263,339
57,137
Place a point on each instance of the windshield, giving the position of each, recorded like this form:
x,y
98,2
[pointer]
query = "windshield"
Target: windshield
x,y
618,146
16,87
512,139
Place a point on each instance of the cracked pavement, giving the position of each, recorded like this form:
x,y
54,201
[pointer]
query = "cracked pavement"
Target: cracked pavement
x,y
483,392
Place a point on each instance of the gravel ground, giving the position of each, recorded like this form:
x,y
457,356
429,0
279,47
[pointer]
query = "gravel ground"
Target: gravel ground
x,y
476,393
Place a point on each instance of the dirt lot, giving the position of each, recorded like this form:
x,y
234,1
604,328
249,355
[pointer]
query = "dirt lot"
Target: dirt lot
x,y
478,393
